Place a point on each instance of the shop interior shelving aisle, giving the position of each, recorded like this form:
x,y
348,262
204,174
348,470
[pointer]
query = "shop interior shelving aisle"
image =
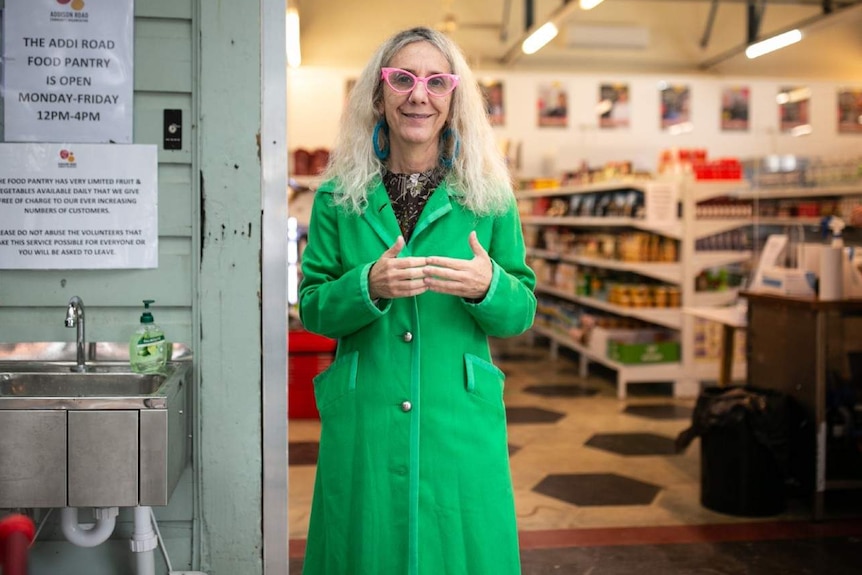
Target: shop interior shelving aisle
x,y
680,272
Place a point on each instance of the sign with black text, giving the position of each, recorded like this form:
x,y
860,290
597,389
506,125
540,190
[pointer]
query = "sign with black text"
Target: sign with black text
x,y
78,206
68,70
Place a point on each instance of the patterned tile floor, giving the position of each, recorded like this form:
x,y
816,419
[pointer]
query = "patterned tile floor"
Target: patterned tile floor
x,y
599,487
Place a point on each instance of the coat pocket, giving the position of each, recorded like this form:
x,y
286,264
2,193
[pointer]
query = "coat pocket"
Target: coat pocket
x,y
485,380
338,380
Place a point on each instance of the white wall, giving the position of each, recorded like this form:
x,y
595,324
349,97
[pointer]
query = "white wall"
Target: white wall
x,y
316,95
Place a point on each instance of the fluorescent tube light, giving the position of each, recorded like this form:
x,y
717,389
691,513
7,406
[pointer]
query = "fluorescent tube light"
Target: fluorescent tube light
x,y
539,38
294,57
773,44
590,4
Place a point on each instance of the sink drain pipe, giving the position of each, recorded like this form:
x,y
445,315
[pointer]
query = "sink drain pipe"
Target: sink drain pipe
x,y
143,541
89,535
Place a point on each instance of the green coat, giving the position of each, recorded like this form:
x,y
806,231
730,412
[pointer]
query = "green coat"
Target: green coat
x,y
413,471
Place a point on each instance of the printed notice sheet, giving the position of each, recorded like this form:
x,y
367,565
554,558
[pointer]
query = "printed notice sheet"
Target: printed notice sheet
x,y
68,70
78,206
660,203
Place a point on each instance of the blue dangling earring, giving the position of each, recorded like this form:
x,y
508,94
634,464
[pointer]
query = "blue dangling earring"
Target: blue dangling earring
x,y
449,134
381,153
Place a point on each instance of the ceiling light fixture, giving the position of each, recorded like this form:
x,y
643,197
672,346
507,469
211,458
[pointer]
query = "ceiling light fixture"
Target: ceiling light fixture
x,y
772,44
534,39
537,40
590,4
294,56
839,12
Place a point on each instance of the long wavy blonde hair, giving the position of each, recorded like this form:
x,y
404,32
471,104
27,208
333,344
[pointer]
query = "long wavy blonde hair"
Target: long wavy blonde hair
x,y
478,174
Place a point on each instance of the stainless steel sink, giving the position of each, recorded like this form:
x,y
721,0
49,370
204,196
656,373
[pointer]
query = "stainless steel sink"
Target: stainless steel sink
x,y
41,375
70,384
107,437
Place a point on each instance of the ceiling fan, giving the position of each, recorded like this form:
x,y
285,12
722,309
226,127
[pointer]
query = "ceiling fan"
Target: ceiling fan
x,y
450,22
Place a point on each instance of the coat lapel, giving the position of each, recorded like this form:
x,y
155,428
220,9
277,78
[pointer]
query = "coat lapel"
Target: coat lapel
x,y
380,216
439,204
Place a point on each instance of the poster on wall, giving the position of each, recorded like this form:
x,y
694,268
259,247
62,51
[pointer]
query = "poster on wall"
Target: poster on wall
x,y
734,109
675,106
850,111
68,71
794,109
492,91
553,105
613,107
78,206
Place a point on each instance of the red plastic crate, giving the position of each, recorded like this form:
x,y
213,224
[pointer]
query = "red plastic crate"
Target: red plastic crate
x,y
308,355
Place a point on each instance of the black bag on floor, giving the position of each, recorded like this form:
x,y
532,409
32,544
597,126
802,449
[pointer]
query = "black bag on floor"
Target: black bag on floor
x,y
747,448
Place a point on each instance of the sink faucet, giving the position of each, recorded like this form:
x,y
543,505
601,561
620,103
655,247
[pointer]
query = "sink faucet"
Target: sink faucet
x,y
75,318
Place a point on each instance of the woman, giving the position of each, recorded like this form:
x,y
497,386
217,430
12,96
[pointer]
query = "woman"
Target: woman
x,y
414,257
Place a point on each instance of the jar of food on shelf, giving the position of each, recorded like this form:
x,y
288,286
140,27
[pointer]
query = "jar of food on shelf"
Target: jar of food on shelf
x,y
668,250
624,297
654,253
636,297
615,293
661,296
674,297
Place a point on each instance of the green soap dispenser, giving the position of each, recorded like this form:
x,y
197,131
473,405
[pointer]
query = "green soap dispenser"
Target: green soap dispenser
x,y
147,347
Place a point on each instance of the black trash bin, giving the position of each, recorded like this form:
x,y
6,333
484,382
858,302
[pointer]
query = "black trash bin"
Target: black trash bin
x,y
745,449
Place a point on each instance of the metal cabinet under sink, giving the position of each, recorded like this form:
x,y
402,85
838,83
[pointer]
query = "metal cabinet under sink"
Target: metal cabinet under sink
x,y
94,452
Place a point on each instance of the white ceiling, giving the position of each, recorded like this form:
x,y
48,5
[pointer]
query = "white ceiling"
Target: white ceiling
x,y
344,33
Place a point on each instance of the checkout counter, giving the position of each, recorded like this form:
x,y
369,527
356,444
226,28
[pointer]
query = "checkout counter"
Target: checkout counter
x,y
811,350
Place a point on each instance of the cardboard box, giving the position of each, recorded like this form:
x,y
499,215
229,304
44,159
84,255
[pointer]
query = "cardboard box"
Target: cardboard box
x,y
641,347
600,337
633,345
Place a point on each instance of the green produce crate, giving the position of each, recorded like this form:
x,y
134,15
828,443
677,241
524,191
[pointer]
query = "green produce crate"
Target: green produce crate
x,y
647,352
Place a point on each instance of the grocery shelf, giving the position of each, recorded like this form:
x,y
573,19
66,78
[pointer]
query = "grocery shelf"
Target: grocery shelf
x,y
673,230
667,272
714,298
689,228
645,373
708,189
705,259
665,317
786,221
706,227
775,192
599,187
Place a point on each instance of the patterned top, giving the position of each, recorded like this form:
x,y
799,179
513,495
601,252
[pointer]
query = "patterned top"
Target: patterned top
x,y
409,193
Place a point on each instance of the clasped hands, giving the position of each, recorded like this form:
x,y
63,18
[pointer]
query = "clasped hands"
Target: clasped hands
x,y
393,277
